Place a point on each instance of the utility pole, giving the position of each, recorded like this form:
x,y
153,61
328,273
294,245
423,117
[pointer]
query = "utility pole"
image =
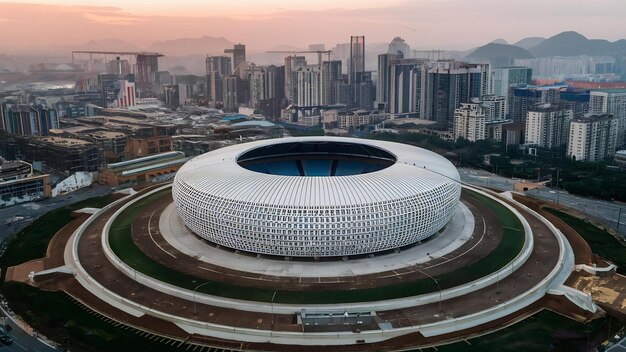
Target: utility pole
x,y
558,171
619,216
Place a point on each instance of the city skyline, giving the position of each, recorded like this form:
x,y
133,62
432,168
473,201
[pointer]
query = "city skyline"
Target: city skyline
x,y
281,23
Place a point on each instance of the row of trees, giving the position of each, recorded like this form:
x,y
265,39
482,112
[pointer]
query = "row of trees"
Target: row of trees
x,y
593,179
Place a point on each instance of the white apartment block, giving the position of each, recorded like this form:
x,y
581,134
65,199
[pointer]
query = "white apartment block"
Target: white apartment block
x,y
469,122
308,86
610,101
593,138
547,126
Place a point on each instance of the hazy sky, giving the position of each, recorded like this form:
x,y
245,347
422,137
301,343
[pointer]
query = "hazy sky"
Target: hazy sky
x,y
261,24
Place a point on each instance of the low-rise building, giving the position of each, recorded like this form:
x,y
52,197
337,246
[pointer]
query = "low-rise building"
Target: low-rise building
x,y
150,168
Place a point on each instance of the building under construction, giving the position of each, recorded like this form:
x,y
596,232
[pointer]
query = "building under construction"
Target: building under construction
x,y
62,154
18,183
141,64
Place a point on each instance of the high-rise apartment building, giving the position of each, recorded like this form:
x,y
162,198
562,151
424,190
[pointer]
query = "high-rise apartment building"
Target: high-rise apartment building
x,y
28,120
308,86
526,97
262,84
505,79
448,84
231,93
292,63
217,68
469,122
610,101
548,126
593,138
495,107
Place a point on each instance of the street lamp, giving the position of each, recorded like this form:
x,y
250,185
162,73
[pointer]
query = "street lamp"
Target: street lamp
x,y
195,310
272,307
438,286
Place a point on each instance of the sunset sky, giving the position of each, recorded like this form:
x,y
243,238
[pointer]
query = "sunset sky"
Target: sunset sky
x,y
260,24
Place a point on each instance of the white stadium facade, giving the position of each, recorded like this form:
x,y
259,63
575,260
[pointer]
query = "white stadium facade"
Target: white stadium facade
x,y
317,196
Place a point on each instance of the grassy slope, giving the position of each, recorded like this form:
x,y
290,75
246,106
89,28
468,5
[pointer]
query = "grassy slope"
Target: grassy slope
x,y
601,241
59,318
32,242
123,246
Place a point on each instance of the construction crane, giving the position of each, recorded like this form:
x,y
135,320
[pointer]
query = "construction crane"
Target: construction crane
x,y
318,52
407,27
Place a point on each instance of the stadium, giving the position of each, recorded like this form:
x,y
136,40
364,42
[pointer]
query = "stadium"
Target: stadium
x,y
313,243
317,197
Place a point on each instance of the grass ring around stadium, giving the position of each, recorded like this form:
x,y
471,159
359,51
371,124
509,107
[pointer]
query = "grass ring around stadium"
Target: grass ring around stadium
x,y
122,245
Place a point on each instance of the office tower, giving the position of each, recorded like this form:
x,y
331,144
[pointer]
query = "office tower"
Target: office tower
x,y
404,85
356,64
610,101
547,126
239,57
383,79
469,122
331,77
505,79
399,47
525,97
292,63
448,84
217,68
359,91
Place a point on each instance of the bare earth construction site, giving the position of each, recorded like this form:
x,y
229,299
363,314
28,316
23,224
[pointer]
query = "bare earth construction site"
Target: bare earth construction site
x,y
490,260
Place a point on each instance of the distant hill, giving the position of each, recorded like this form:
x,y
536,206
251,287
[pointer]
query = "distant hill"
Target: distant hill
x,y
110,44
191,46
499,54
575,44
500,41
529,42
107,44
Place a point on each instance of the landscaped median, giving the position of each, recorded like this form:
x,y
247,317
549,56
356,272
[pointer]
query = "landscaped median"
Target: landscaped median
x,y
121,242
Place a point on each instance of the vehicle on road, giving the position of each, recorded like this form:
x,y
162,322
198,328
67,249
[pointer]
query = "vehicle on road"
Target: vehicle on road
x,y
6,340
